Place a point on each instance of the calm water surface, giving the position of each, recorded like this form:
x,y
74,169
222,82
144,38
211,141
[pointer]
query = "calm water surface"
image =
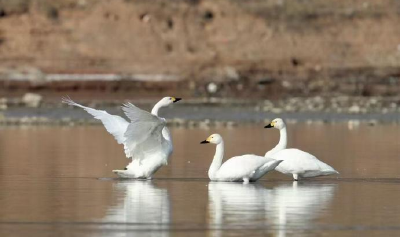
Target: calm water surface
x,y
58,181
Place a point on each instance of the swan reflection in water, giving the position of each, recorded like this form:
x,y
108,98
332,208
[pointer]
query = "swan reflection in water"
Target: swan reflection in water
x,y
141,205
276,209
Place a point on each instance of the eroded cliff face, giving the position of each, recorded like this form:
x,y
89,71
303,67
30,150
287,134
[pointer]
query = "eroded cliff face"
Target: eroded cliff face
x,y
256,47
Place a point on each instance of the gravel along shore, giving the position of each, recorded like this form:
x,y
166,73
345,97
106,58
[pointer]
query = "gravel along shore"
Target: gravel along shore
x,y
217,112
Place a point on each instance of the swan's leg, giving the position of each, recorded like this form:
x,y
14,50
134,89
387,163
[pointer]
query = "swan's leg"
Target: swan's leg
x,y
246,180
149,178
296,177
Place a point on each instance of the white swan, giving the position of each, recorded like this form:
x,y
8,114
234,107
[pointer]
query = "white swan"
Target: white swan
x,y
146,138
239,168
295,162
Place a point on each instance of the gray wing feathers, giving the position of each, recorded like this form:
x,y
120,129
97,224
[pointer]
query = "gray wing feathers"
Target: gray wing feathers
x,y
140,137
114,124
138,115
143,139
144,133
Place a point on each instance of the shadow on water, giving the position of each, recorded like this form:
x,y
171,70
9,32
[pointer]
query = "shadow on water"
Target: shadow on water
x,y
279,209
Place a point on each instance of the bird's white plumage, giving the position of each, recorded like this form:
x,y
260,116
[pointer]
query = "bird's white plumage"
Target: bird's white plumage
x,y
143,136
239,168
146,138
269,165
296,162
114,124
304,164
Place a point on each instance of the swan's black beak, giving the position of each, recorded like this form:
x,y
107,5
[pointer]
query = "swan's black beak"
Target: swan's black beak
x,y
204,142
177,99
269,126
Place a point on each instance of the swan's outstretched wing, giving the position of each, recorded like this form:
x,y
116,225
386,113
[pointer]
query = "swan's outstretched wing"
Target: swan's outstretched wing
x,y
114,124
144,134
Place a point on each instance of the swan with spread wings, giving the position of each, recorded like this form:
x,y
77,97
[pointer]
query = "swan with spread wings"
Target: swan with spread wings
x,y
146,139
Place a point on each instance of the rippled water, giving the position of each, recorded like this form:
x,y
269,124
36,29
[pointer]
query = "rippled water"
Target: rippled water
x,y
58,181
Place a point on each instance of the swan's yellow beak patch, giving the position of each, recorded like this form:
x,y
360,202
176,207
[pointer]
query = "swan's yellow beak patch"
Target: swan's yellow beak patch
x,y
271,125
206,141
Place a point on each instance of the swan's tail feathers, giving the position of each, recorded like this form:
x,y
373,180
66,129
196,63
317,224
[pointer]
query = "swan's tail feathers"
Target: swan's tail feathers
x,y
128,174
327,169
276,163
123,174
271,165
330,172
335,172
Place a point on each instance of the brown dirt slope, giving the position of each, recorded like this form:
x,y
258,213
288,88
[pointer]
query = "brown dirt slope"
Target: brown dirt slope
x,y
301,47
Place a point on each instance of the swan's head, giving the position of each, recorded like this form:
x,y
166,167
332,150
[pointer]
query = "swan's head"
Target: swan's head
x,y
215,138
276,123
168,101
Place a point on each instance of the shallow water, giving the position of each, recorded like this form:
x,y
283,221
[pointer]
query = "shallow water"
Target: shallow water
x,y
58,181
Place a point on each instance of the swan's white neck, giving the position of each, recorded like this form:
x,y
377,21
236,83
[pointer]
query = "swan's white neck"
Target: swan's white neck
x,y
156,107
217,161
282,144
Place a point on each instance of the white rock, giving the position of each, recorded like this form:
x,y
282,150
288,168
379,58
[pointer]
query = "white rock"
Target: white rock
x,y
231,73
354,109
212,88
3,103
32,100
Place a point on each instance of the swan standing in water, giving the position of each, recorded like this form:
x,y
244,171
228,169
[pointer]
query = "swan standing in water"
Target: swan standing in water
x,y
146,138
239,168
296,162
